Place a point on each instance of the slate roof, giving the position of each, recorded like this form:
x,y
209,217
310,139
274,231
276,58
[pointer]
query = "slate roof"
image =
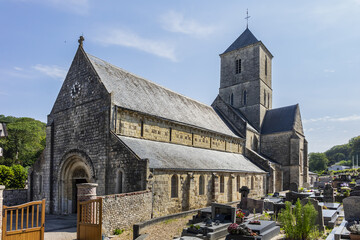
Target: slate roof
x,y
132,92
173,156
245,39
279,120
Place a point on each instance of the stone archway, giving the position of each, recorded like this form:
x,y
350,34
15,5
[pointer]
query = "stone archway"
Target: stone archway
x,y
74,170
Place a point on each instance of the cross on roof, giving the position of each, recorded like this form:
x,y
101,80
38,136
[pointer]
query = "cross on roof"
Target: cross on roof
x,y
247,18
81,40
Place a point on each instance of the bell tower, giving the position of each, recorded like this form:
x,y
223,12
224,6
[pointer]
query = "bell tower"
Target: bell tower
x,y
245,77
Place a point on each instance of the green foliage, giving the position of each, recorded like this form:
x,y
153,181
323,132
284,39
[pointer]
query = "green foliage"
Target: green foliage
x,y
20,176
338,153
318,161
118,231
298,222
345,163
25,141
6,176
13,177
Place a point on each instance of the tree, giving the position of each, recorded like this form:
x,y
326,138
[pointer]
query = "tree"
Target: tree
x,y
318,161
355,145
25,141
333,153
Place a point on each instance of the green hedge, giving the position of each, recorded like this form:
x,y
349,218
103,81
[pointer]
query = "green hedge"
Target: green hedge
x,y
13,177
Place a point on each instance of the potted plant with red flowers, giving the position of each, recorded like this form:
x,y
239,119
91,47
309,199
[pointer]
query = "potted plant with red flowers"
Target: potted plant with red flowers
x,y
240,216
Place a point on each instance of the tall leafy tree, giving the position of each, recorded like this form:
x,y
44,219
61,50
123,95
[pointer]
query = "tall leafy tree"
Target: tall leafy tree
x,y
318,161
25,141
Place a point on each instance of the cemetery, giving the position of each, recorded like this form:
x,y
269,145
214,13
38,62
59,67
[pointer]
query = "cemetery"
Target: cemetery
x,y
335,202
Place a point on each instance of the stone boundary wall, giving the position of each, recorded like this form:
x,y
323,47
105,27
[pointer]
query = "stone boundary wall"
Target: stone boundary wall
x,y
124,210
14,197
138,227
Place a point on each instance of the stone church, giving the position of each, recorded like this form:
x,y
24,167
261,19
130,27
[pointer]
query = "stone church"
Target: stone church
x,y
128,134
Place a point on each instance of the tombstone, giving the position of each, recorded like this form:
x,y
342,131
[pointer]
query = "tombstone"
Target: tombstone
x,y
244,190
223,213
294,196
294,187
329,193
255,205
351,207
319,219
358,181
355,193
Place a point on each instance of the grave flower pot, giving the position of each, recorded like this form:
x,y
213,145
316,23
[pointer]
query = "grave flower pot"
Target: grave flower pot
x,y
354,236
239,220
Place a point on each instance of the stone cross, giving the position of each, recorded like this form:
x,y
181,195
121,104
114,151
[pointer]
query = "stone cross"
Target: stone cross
x,y
81,40
244,190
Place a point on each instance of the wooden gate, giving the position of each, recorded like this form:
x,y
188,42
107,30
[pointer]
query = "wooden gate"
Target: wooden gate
x,y
25,221
89,219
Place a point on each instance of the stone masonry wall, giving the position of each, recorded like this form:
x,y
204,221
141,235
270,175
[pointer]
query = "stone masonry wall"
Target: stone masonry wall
x,y
14,197
189,194
123,210
138,125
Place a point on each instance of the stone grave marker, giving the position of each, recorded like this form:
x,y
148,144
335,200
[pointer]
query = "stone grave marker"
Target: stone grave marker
x,y
351,207
294,187
244,190
329,193
319,219
223,213
250,205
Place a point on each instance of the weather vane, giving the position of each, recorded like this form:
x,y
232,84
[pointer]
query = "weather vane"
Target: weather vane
x,y
247,18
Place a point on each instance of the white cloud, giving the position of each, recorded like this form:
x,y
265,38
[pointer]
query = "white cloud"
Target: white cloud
x,y
130,39
333,119
329,70
51,71
18,68
175,22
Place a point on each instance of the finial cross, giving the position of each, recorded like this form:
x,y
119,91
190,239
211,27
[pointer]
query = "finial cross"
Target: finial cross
x,y
81,40
247,18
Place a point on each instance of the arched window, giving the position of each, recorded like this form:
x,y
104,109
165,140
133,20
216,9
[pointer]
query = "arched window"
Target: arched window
x,y
238,182
232,99
119,181
244,97
201,185
221,184
265,65
174,186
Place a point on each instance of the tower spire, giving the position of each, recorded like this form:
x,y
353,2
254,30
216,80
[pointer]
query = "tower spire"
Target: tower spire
x,y
247,18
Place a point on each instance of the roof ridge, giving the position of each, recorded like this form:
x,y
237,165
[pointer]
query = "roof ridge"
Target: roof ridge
x,y
142,78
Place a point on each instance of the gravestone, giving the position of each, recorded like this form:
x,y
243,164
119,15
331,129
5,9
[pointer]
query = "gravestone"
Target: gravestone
x,y
355,191
255,205
244,190
223,213
351,207
294,187
328,193
319,219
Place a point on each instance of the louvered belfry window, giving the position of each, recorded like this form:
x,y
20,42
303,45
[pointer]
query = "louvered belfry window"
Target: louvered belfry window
x,y
238,66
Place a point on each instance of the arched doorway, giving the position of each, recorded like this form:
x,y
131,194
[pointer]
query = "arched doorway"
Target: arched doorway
x,y
74,170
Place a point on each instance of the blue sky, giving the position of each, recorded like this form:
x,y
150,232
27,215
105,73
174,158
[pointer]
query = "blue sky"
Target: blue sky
x,y
177,45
